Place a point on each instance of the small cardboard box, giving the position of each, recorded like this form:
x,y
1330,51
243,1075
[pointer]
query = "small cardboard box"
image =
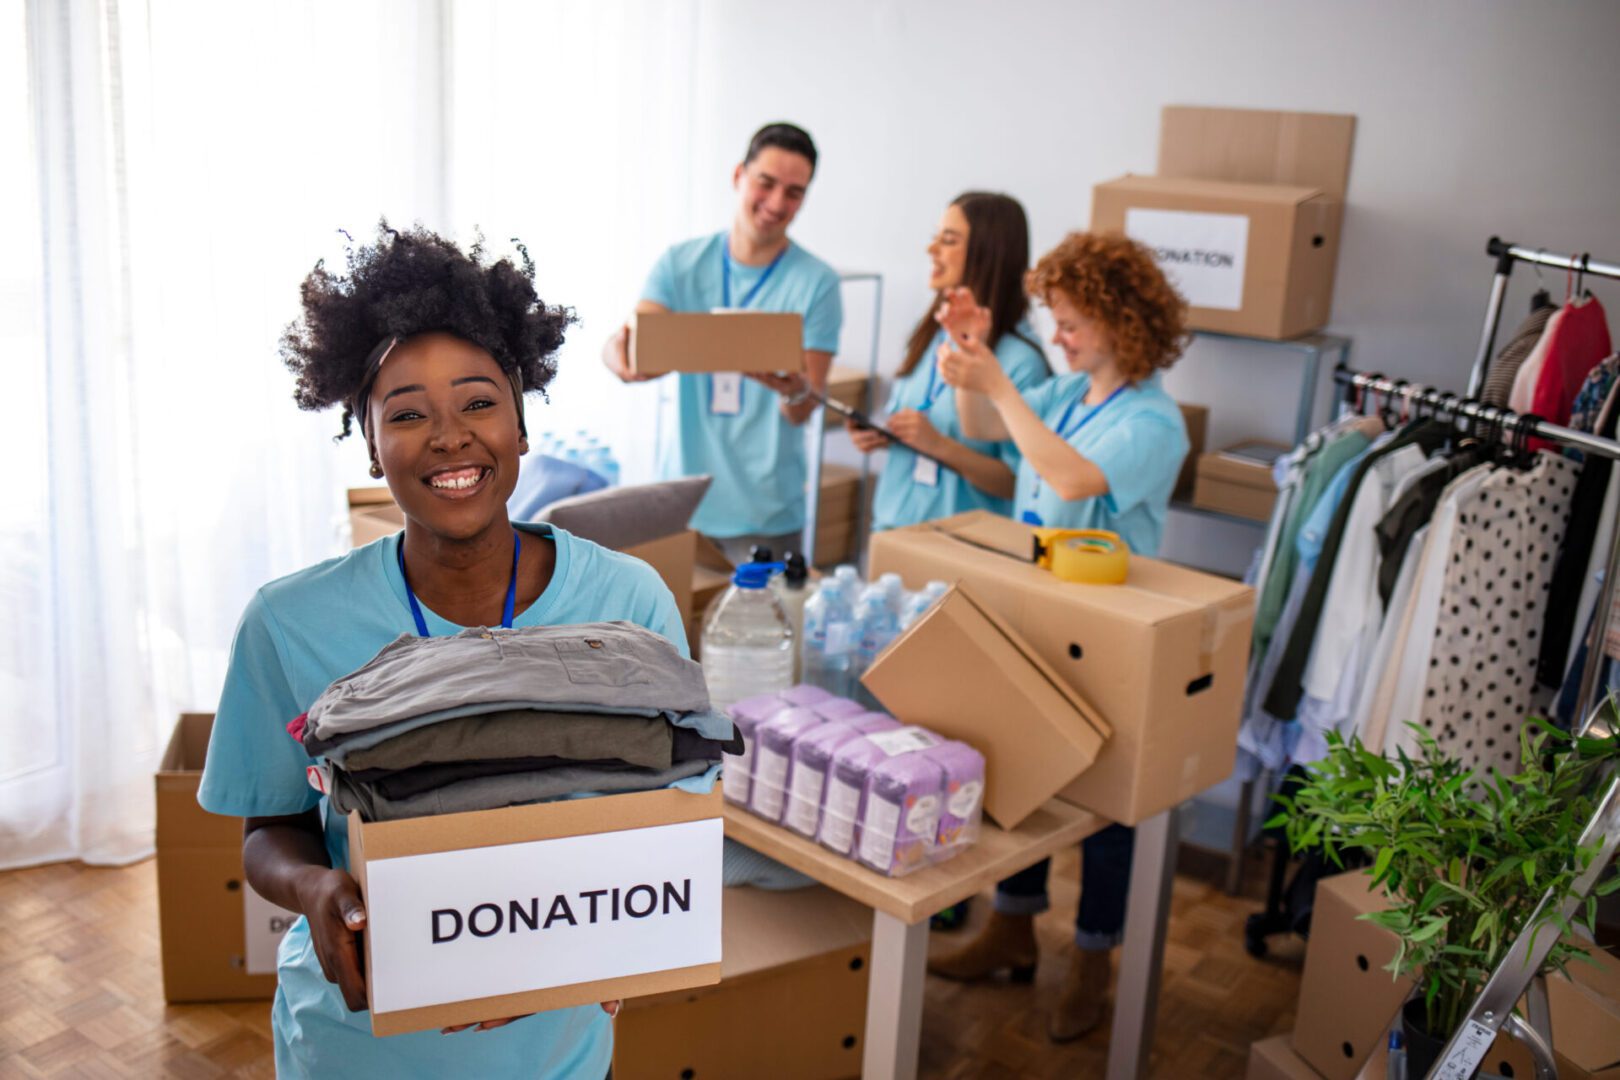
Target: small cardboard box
x,y
1196,417
218,936
495,913
1235,481
791,1003
1243,215
755,341
373,514
962,671
1161,658
1586,1015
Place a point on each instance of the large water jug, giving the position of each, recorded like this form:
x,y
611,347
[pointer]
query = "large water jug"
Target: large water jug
x,y
829,637
747,640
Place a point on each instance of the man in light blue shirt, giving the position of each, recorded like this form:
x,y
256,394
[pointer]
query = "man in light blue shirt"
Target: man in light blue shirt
x,y
746,433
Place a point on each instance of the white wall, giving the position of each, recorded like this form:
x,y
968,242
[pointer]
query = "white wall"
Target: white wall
x,y
1474,118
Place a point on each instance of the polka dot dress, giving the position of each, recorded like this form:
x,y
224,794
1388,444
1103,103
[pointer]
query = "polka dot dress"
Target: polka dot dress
x,y
1481,683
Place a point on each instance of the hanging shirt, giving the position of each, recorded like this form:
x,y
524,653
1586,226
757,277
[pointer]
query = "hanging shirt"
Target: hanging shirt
x,y
1575,346
904,498
1504,369
756,457
300,634
1137,438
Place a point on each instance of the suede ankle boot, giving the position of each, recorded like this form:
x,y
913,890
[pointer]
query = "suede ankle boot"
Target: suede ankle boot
x,y
1083,1000
1007,942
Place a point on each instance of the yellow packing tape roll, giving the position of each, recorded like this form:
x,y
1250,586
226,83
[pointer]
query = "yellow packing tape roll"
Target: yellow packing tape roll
x,y
1088,556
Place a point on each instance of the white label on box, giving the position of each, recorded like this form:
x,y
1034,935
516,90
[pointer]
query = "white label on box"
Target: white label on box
x,y
838,823
475,923
877,833
736,771
904,740
264,924
770,777
1473,1043
1203,255
804,800
965,799
922,820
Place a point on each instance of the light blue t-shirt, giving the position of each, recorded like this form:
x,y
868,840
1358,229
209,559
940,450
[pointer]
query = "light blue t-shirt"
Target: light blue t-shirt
x,y
901,499
298,635
1138,440
756,457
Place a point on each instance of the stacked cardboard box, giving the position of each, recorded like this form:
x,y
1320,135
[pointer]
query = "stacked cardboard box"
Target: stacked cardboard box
x,y
839,517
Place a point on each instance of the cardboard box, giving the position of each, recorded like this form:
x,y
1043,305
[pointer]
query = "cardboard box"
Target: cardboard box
x,y
373,515
962,671
218,936
849,387
1196,417
791,1002
496,913
757,341
1234,484
1161,658
1244,215
1273,1059
1586,1015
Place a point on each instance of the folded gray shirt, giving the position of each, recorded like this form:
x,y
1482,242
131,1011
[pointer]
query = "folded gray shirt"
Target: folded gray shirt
x,y
647,741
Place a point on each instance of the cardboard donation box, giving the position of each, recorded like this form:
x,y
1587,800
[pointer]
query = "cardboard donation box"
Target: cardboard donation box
x,y
757,341
1243,215
791,1003
1585,1010
962,671
1238,479
1160,658
494,913
219,936
373,514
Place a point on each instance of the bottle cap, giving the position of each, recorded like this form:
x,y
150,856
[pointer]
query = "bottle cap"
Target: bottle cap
x,y
755,575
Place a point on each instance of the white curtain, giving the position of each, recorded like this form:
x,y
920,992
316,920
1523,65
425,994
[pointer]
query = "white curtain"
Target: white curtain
x,y
185,164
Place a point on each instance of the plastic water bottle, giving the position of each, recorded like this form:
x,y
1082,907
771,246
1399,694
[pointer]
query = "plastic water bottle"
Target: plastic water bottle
x,y
599,459
747,641
829,637
850,577
793,583
919,602
878,626
894,593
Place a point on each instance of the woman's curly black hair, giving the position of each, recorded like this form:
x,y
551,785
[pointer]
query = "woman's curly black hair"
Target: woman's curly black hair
x,y
410,283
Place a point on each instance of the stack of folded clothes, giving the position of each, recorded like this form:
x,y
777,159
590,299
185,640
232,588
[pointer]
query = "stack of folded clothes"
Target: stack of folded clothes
x,y
490,718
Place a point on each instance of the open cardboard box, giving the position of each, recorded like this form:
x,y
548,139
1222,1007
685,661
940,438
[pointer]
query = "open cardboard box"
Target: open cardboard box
x,y
962,671
751,341
494,913
1243,215
1585,1010
1160,658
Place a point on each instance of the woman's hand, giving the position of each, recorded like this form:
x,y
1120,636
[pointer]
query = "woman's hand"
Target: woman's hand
x,y
865,439
916,431
330,900
961,316
610,1007
971,366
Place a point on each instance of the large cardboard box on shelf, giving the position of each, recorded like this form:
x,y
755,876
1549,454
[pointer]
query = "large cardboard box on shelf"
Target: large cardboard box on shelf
x,y
1228,481
1161,657
964,672
1196,417
493,913
791,1002
741,341
1243,215
218,936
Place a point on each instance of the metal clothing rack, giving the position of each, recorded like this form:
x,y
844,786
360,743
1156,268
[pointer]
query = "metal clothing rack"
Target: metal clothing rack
x,y
1506,253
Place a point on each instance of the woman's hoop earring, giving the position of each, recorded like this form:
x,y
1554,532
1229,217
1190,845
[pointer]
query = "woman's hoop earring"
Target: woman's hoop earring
x,y
376,471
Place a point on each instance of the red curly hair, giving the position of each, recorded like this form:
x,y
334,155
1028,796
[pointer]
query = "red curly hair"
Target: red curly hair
x,y
1113,281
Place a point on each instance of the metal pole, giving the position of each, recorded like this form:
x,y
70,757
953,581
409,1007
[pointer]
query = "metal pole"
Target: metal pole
x,y
1493,316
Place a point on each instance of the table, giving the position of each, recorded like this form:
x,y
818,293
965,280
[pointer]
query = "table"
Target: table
x,y
901,908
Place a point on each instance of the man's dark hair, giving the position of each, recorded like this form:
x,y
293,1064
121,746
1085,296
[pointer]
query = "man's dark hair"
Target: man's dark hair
x,y
789,137
410,283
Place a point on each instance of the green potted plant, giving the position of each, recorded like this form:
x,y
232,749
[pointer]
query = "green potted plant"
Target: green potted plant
x,y
1463,858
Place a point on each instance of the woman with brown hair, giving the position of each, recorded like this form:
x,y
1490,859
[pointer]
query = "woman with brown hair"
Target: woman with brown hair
x,y
982,245
1101,448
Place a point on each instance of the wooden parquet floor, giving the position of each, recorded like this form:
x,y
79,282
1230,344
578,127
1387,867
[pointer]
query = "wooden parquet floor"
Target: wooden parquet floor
x,y
81,991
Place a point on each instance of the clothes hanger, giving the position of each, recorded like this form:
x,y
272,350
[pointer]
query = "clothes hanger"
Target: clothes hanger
x,y
1541,298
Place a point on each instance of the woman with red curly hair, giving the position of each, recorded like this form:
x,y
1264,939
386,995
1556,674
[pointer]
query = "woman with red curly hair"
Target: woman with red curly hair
x,y
1101,449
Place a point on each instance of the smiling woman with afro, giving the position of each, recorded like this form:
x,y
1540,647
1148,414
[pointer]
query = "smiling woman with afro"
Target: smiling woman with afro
x,y
431,348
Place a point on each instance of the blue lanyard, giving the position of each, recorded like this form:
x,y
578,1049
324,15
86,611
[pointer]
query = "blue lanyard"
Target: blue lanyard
x,y
1067,435
725,275
511,589
930,395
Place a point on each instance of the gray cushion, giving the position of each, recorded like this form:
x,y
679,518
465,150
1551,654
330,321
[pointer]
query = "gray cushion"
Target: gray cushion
x,y
622,517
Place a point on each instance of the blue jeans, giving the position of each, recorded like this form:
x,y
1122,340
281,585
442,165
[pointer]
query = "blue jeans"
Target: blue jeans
x,y
1105,879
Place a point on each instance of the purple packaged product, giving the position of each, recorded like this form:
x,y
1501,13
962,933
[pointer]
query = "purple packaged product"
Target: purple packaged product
x,y
807,776
846,783
838,708
870,722
772,751
738,772
900,820
963,795
805,696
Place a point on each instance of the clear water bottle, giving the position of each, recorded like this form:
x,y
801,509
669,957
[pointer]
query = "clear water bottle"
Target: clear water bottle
x,y
829,637
918,603
894,592
747,640
599,459
850,577
794,585
878,626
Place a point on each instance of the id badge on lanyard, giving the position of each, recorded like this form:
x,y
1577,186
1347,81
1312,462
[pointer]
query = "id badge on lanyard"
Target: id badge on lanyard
x,y
725,387
725,393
